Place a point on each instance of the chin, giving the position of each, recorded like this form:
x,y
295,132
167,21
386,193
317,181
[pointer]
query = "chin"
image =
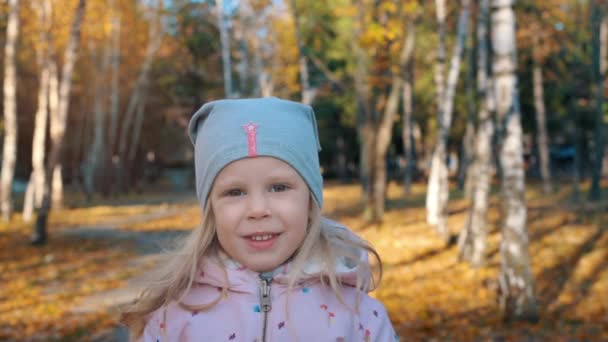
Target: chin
x,y
262,267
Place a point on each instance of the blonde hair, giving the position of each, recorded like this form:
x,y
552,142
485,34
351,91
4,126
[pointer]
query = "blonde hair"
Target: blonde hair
x,y
325,240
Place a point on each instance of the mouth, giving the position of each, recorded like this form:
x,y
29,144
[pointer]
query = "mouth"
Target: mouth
x,y
263,240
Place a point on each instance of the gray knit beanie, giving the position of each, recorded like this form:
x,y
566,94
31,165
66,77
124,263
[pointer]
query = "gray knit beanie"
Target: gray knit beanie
x,y
227,130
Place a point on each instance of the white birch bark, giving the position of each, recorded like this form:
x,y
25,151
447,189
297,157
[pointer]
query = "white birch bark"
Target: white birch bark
x,y
308,93
59,120
34,192
9,151
256,18
35,187
438,188
54,85
473,237
436,169
541,114
225,41
57,186
517,298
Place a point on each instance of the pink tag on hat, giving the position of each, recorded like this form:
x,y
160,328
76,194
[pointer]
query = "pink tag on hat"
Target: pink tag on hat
x,y
251,129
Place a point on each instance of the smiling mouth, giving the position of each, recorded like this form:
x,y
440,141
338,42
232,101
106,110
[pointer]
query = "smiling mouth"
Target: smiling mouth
x,y
262,237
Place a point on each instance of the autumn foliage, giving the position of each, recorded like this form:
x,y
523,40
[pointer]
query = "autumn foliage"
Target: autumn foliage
x,y
427,291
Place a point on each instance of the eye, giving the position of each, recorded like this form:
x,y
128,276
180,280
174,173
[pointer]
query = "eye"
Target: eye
x,y
278,188
234,193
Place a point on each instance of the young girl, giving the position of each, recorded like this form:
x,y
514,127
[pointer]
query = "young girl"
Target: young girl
x,y
263,265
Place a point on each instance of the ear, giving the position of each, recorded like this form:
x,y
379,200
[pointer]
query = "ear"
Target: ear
x,y
198,119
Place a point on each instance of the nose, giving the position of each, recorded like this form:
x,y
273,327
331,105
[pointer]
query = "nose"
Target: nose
x,y
258,206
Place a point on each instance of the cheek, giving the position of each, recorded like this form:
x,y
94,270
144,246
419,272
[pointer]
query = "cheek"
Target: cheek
x,y
224,222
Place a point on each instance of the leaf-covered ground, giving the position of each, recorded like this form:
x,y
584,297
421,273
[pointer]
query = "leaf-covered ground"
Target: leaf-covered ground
x,y
429,294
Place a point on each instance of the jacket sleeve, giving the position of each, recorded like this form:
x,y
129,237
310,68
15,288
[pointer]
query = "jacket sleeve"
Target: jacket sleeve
x,y
166,324
375,322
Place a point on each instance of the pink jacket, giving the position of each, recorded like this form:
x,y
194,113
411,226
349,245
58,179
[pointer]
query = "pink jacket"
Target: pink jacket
x,y
257,310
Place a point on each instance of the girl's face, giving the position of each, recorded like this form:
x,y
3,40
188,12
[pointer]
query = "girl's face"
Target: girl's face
x,y
261,208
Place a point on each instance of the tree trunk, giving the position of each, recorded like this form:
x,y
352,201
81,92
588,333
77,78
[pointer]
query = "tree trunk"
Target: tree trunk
x,y
364,114
465,170
108,180
438,189
541,126
599,37
408,129
308,93
9,152
57,186
99,109
263,85
35,186
60,120
139,118
385,126
156,35
517,298
34,192
341,160
472,239
367,150
576,177
225,41
155,40
432,194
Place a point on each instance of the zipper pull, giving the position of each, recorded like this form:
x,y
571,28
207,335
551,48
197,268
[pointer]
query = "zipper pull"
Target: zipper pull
x,y
265,293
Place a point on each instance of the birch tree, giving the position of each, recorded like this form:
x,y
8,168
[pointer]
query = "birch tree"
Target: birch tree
x,y
108,175
465,169
54,125
96,149
517,298
599,46
60,120
156,36
408,110
225,41
35,187
541,113
438,186
9,151
308,93
138,96
473,237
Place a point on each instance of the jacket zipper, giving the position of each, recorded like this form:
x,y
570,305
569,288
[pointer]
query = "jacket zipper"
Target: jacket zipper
x,y
265,302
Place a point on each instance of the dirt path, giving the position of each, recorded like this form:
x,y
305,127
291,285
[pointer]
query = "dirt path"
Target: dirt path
x,y
149,246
